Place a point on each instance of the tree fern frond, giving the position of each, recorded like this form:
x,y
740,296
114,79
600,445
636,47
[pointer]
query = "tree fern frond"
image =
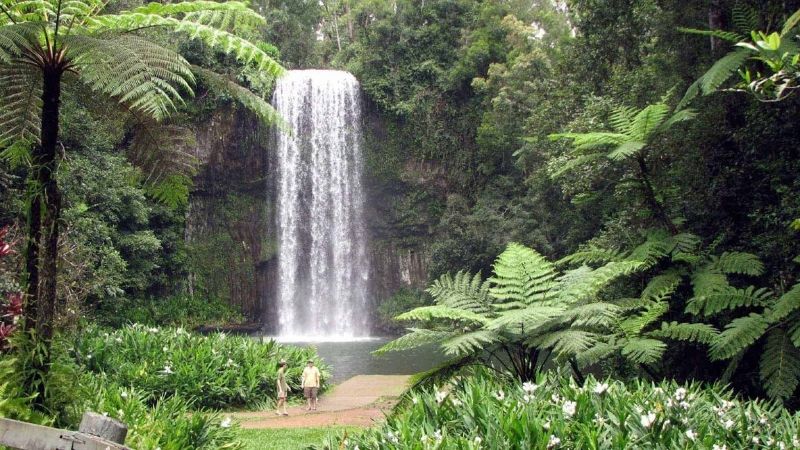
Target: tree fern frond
x,y
161,151
172,190
648,120
691,93
723,70
20,105
643,350
246,52
588,141
597,314
428,313
588,286
785,305
744,18
257,105
521,274
556,171
15,39
18,154
569,342
738,263
794,330
682,115
686,242
622,119
471,342
626,150
598,352
634,325
706,280
791,23
462,291
661,286
728,299
657,246
738,335
780,365
729,36
525,321
192,10
591,255
417,337
690,332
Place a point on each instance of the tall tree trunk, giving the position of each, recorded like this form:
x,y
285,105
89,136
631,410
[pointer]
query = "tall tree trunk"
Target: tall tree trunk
x,y
32,248
46,301
716,21
656,207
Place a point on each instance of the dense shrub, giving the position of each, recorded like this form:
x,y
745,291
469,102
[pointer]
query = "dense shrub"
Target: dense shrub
x,y
483,411
179,310
214,371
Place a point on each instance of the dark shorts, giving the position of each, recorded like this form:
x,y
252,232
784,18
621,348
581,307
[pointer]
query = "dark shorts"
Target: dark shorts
x,y
310,392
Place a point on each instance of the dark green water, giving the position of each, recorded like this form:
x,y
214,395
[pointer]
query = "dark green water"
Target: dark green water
x,y
348,359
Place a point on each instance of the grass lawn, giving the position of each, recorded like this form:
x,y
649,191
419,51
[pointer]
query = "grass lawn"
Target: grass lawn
x,y
289,438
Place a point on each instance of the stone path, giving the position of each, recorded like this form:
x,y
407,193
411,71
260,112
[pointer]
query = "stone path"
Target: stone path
x,y
359,401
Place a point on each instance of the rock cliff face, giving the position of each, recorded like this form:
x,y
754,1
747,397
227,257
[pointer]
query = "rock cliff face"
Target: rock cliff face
x,y
230,227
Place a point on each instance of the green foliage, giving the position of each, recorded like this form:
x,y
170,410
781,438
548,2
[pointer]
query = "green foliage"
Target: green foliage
x,y
180,310
552,411
213,371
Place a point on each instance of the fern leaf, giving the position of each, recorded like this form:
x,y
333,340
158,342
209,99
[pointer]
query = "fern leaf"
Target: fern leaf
x,y
626,150
661,286
464,291
648,120
173,191
643,351
599,352
738,263
728,299
255,104
569,342
428,313
597,314
780,365
589,141
790,23
472,342
591,283
417,337
591,255
723,70
622,119
20,106
785,305
525,321
729,36
633,326
557,171
744,18
690,332
521,274
738,335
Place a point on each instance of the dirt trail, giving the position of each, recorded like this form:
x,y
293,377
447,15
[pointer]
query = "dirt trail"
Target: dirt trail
x,y
359,401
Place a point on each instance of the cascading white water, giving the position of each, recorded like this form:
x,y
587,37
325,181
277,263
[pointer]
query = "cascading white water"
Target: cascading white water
x,y
322,262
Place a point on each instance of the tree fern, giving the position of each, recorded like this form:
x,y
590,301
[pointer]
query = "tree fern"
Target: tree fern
x,y
738,335
417,337
568,342
429,313
635,324
728,298
462,291
20,104
661,286
593,315
689,332
785,305
591,255
643,350
521,274
469,343
780,365
738,263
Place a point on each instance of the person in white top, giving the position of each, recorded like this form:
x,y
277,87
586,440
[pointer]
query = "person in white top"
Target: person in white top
x,y
310,385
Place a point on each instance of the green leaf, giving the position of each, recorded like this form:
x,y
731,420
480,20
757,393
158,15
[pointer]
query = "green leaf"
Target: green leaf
x,y
626,150
780,365
417,337
690,332
785,305
644,351
428,313
738,335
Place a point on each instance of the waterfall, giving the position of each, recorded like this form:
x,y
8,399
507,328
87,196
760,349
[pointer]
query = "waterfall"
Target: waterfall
x,y
322,262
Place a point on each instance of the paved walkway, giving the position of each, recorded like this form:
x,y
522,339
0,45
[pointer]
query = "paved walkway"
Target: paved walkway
x,y
359,401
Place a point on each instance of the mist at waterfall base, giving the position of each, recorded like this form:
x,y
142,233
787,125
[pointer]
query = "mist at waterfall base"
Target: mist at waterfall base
x,y
323,267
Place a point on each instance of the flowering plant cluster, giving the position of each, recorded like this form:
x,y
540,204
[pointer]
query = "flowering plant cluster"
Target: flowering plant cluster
x,y
11,305
482,412
218,370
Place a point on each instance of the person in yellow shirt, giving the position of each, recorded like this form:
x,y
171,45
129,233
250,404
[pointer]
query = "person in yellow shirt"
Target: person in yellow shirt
x,y
310,384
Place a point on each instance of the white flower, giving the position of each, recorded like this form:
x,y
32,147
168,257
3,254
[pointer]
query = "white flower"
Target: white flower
x,y
647,419
222,336
167,370
719,447
546,425
89,356
600,388
729,424
456,402
414,400
684,405
658,390
118,339
440,396
529,387
437,435
555,398
527,398
392,438
356,448
755,440
230,363
165,349
795,442
500,395
478,440
781,446
680,394
691,435
424,438
669,403
153,330
554,441
770,441
568,408
762,420
226,422
123,394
